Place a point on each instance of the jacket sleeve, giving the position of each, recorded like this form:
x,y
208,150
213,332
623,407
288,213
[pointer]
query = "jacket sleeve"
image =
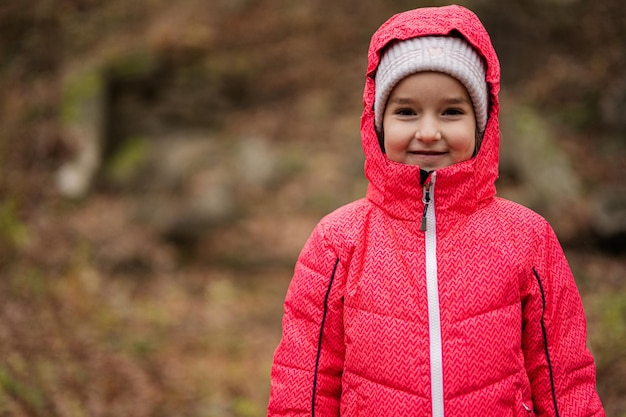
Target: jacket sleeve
x,y
308,362
559,365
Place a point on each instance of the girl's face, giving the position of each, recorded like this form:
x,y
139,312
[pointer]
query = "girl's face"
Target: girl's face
x,y
429,121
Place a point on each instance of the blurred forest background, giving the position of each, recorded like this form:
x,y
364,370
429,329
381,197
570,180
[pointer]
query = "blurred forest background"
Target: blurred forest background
x,y
162,163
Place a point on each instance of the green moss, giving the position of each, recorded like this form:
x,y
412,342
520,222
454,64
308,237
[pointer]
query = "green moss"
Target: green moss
x,y
12,230
138,63
128,159
28,396
613,317
82,89
143,348
244,407
608,327
30,284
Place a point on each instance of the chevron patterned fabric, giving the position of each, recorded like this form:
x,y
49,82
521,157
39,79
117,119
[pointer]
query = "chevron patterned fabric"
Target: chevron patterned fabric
x,y
362,316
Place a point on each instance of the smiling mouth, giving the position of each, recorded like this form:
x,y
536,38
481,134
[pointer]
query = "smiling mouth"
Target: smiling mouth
x,y
428,153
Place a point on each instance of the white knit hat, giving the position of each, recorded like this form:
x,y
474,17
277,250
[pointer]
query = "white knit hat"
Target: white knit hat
x,y
450,55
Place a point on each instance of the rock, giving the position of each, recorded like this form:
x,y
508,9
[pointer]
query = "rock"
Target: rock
x,y
608,218
544,178
82,116
256,161
193,181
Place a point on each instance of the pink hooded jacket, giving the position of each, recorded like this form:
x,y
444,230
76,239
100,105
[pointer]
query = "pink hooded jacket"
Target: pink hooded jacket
x,y
478,315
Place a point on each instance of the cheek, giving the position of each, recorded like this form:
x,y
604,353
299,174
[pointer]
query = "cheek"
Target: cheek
x,y
462,150
463,141
395,137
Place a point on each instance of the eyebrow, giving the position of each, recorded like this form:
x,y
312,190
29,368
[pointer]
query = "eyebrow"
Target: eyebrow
x,y
449,100
400,100
457,100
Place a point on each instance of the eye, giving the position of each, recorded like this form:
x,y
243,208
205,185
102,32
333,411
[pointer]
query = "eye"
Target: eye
x,y
453,112
405,112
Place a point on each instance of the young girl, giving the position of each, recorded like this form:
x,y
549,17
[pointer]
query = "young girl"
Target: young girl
x,y
432,296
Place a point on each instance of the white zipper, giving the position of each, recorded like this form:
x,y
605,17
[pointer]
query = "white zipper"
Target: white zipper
x,y
434,318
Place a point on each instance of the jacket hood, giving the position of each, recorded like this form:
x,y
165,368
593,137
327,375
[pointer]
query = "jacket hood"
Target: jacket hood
x,y
461,188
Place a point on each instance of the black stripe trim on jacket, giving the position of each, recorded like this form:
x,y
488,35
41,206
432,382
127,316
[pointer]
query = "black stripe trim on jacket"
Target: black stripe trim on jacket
x,y
545,340
319,342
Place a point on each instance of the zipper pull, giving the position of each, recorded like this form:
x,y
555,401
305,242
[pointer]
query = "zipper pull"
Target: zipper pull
x,y
426,201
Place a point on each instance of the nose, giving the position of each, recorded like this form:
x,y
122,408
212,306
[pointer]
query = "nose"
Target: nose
x,y
428,130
